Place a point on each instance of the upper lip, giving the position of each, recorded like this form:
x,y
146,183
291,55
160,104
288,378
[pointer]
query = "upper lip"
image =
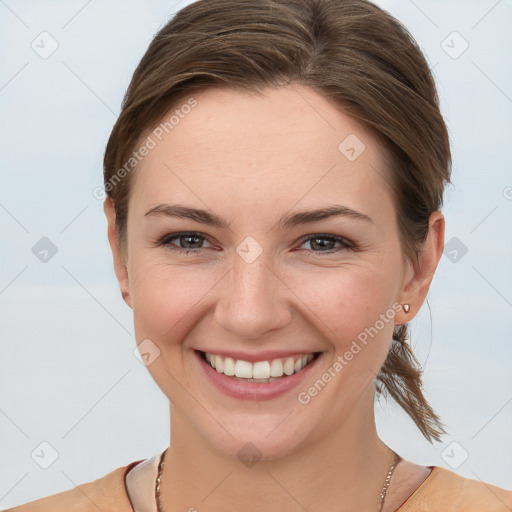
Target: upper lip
x,y
266,355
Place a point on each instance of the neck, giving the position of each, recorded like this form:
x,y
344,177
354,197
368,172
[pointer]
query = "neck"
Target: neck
x,y
343,470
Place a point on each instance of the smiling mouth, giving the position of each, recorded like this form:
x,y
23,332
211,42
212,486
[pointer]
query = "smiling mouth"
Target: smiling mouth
x,y
261,371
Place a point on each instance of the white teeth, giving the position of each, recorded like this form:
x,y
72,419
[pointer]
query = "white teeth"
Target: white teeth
x,y
289,366
219,364
229,366
276,368
261,371
243,369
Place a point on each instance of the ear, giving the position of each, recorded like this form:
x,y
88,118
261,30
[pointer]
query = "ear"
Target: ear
x,y
420,273
117,254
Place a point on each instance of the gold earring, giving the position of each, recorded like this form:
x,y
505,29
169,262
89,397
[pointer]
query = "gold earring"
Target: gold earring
x,y
406,307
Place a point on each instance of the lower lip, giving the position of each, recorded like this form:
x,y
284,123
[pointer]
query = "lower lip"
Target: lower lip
x,y
254,390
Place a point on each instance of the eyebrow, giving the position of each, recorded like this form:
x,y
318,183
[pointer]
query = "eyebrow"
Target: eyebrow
x,y
290,220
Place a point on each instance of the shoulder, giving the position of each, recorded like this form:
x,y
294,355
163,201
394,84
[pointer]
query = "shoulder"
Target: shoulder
x,y
105,493
445,490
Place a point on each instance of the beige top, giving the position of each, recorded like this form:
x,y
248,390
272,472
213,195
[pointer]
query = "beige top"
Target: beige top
x,y
140,485
131,489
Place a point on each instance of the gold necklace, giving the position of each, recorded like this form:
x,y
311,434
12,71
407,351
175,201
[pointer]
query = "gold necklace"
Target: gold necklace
x,y
387,482
158,483
382,496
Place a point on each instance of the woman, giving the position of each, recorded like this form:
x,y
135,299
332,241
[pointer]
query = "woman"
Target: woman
x,y
275,180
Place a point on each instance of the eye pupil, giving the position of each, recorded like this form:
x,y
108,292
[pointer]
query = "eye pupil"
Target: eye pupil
x,y
190,246
322,243
194,243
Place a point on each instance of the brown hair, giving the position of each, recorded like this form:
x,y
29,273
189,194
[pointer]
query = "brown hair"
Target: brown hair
x,y
348,50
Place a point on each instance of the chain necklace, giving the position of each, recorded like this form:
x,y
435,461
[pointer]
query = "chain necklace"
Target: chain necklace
x,y
387,482
382,496
158,483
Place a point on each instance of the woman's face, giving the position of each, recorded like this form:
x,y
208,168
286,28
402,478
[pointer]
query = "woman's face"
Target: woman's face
x,y
253,280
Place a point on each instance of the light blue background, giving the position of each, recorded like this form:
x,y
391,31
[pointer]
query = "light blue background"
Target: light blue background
x,y
67,372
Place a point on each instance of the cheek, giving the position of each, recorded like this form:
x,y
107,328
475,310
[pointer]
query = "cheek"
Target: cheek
x,y
348,301
165,299
341,303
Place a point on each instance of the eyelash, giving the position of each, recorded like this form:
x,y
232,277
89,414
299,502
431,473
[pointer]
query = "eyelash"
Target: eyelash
x,y
165,241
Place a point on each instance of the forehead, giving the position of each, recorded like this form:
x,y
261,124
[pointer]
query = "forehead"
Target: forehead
x,y
286,145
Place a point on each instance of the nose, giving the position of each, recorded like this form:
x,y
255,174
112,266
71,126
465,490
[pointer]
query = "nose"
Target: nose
x,y
254,300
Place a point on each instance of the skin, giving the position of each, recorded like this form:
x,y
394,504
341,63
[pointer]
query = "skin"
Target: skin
x,y
251,159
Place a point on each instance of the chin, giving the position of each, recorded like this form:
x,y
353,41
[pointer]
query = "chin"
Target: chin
x,y
257,439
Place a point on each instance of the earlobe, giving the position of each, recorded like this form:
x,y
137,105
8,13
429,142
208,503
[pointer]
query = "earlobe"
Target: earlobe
x,y
427,258
117,255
